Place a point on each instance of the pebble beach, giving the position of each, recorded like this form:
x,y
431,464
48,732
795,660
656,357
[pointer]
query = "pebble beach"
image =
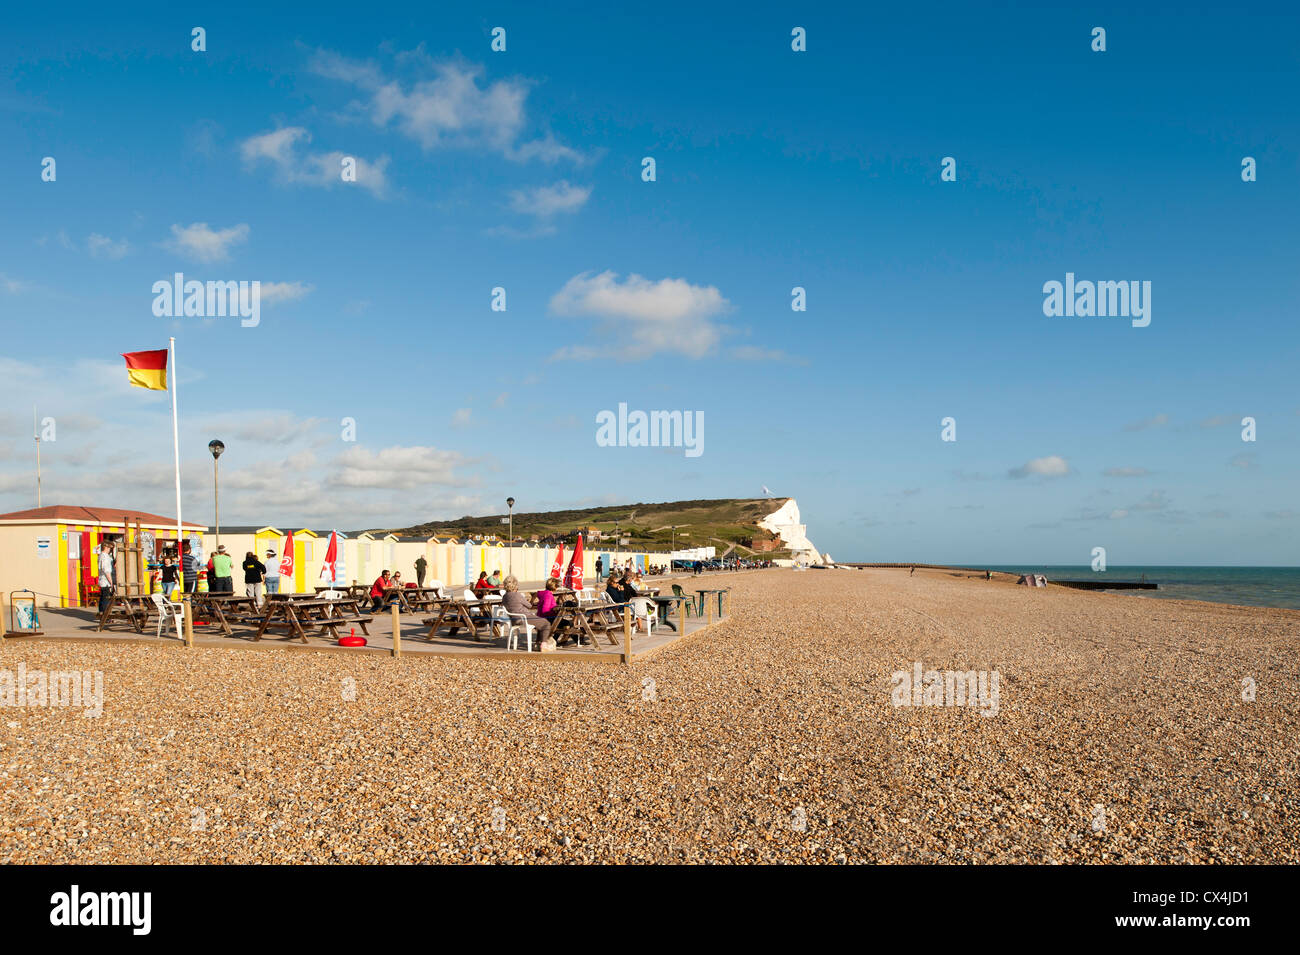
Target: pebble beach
x,y
1126,731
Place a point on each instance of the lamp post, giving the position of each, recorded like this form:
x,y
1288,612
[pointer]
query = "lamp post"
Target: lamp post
x,y
216,447
510,554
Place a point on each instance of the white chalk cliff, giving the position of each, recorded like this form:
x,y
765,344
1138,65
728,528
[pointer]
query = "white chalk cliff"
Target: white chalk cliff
x,y
785,521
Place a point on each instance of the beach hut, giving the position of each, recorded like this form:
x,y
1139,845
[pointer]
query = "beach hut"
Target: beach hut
x,y
405,549
52,550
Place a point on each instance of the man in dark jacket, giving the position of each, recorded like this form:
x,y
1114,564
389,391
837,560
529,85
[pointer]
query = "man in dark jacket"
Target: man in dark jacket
x,y
254,577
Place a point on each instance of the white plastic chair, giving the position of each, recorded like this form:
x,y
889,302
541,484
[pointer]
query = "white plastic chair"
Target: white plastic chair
x,y
168,610
437,586
329,595
643,609
512,633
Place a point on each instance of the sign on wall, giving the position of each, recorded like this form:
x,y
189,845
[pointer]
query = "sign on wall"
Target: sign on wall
x,y
43,548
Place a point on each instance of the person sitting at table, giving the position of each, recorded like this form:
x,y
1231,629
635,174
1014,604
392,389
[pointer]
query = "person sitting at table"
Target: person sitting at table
x,y
378,589
545,600
482,584
617,589
517,603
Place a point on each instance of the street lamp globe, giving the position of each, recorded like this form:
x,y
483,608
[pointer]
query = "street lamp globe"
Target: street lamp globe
x,y
216,447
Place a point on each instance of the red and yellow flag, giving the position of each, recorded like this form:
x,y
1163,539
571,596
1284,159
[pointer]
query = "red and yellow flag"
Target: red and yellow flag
x,y
147,369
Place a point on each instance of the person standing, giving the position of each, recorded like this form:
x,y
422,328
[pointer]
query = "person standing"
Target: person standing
x,y
600,567
421,565
222,572
254,575
170,574
272,575
189,568
107,575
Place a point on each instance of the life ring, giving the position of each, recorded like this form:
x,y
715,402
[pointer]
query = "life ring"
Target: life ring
x,y
352,641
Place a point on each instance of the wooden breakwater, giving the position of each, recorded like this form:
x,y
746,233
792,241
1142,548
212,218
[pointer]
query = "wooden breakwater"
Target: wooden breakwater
x,y
973,570
1106,584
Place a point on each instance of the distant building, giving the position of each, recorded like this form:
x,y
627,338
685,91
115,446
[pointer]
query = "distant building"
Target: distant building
x,y
53,550
762,546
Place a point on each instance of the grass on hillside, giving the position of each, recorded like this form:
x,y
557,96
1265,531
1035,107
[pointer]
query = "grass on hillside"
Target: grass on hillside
x,y
719,523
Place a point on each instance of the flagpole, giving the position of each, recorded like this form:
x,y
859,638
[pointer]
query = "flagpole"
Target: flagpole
x,y
176,449
36,431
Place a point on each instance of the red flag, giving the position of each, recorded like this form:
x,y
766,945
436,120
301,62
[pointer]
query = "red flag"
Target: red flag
x,y
147,369
573,576
331,557
557,568
286,562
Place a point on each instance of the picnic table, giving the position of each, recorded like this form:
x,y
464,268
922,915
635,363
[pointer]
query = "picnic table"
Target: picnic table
x,y
303,613
135,609
718,591
217,606
664,604
459,612
572,620
422,598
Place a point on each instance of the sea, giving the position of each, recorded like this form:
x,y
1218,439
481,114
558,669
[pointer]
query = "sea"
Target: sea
x,y
1249,586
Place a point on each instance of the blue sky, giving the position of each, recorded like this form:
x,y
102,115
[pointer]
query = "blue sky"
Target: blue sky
x,y
775,169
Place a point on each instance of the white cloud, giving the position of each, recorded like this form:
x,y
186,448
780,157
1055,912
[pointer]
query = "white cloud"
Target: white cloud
x,y
1126,472
758,353
61,237
398,468
114,448
1155,501
280,148
451,105
205,244
1051,466
545,202
670,315
267,427
275,292
102,247
1156,421
461,418
12,286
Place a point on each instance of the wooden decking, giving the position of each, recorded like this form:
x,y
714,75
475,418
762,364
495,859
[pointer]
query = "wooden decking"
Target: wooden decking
x,y
78,625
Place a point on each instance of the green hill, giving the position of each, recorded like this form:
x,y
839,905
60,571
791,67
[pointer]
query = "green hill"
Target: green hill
x,y
649,527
